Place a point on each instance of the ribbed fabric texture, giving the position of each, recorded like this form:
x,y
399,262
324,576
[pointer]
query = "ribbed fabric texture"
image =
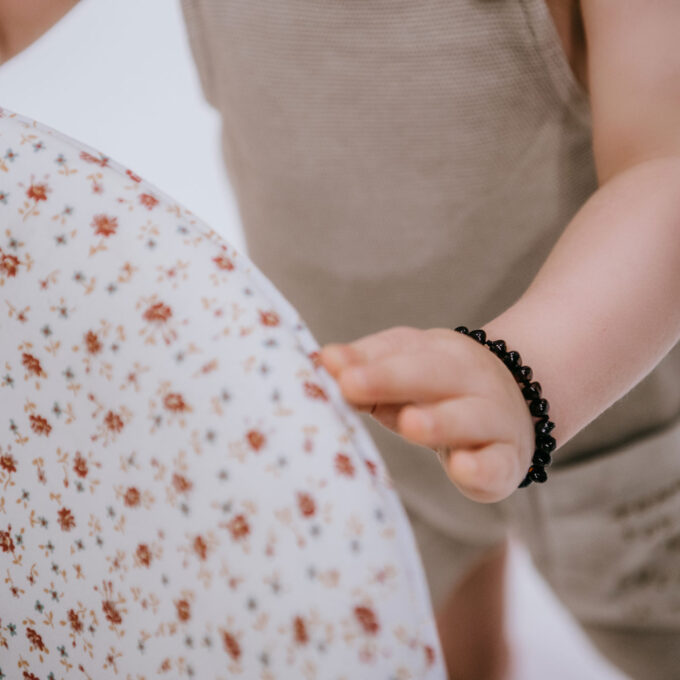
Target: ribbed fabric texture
x,y
407,162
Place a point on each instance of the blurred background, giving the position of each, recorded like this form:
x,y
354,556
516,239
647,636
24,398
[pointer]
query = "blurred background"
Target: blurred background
x,y
120,77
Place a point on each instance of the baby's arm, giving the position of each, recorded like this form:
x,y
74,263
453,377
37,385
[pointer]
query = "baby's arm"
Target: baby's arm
x,y
604,309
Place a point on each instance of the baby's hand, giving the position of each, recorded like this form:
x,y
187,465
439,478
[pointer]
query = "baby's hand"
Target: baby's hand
x,y
441,389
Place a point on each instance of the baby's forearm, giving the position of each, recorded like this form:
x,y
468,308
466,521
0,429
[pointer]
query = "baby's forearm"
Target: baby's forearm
x,y
604,309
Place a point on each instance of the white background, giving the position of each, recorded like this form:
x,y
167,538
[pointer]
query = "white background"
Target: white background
x,y
119,76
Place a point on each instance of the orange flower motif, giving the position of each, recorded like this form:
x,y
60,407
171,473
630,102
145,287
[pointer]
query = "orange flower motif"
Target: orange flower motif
x,y
181,483
74,620
8,264
113,421
306,504
314,391
231,645
92,342
143,554
103,161
174,401
158,312
270,318
223,262
111,613
132,497
32,364
80,466
200,547
6,542
8,463
35,639
300,631
39,425
343,465
133,176
66,519
256,439
37,192
183,610
148,201
367,619
104,225
239,527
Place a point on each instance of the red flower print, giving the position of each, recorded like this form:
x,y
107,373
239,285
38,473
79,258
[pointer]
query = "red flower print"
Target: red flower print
x,y
429,655
32,364
200,547
37,192
104,225
39,425
223,262
181,483
8,463
8,264
367,619
111,613
113,421
74,620
30,676
133,176
231,645
35,639
256,439
103,161
314,391
148,201
239,527
300,631
269,318
158,312
92,342
372,467
80,465
306,504
6,542
174,401
343,465
66,519
183,610
143,554
132,497
315,356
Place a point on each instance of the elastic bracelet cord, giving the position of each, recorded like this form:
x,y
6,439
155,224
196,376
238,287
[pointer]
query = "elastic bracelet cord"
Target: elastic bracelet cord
x,y
538,407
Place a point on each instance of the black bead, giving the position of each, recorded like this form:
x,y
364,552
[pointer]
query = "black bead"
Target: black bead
x,y
539,407
479,335
498,347
525,482
537,474
462,329
542,458
524,373
544,425
545,442
532,391
512,359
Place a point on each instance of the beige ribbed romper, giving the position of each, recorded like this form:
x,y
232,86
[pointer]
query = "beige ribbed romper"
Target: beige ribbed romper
x,y
413,162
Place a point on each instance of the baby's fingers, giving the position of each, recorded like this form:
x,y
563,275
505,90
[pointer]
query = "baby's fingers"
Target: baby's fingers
x,y
487,474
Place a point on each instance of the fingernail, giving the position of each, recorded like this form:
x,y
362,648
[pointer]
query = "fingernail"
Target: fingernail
x,y
336,354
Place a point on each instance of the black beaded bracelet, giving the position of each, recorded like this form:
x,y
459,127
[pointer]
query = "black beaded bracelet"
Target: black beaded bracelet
x,y
538,407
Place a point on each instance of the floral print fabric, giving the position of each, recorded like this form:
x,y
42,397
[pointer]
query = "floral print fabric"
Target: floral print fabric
x,y
183,490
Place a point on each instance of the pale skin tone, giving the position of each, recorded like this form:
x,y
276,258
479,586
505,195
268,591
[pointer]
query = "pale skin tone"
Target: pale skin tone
x,y
606,297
